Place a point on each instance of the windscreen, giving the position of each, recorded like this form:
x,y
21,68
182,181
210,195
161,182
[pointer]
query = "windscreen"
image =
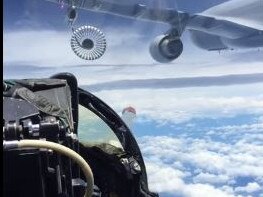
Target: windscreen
x,y
93,131
185,75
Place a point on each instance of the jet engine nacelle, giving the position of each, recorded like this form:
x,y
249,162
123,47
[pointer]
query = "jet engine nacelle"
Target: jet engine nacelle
x,y
166,48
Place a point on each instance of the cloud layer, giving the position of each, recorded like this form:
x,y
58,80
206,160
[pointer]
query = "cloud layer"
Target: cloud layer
x,y
182,105
178,82
191,167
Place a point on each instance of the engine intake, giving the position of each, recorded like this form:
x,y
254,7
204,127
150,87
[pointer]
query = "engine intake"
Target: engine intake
x,y
166,48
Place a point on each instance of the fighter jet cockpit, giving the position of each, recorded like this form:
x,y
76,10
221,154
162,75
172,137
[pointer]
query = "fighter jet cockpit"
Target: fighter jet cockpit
x,y
132,98
97,153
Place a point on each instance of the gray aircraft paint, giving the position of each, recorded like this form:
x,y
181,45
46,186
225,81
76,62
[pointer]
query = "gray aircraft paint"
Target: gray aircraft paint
x,y
231,25
244,12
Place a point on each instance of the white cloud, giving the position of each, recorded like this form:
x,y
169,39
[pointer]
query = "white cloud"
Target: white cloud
x,y
227,189
210,167
46,48
197,190
177,106
52,48
166,179
210,178
185,82
249,133
249,188
260,120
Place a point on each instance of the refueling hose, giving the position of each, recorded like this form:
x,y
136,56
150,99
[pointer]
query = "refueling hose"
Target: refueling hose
x,y
62,150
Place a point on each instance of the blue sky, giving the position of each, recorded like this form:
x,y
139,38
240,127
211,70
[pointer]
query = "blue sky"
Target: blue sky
x,y
199,137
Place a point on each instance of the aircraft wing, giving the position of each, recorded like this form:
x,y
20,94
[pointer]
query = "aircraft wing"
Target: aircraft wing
x,y
198,22
219,27
243,12
230,25
233,19
138,11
